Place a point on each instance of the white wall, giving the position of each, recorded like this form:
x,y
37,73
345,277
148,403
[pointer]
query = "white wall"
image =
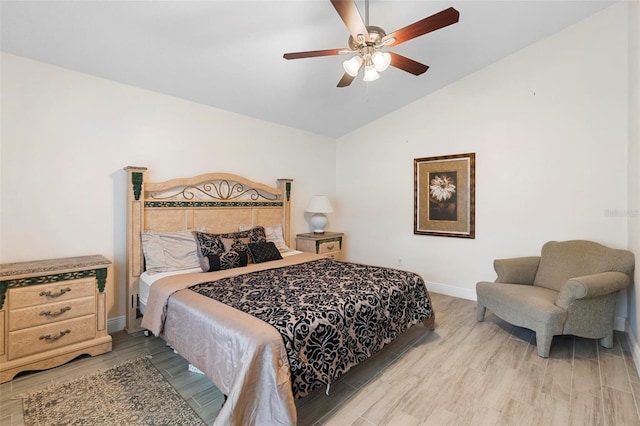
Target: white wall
x,y
549,129
66,137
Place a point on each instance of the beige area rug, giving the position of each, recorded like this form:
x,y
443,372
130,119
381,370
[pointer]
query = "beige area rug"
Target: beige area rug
x,y
133,393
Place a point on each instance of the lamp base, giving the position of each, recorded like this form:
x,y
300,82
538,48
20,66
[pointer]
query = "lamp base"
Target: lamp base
x,y
318,222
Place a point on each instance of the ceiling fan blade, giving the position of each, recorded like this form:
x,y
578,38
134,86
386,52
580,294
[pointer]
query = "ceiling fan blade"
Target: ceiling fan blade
x,y
351,17
408,65
434,22
315,53
345,80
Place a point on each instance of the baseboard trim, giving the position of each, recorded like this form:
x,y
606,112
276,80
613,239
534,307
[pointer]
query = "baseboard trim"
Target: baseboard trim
x,y
116,324
620,324
634,346
450,290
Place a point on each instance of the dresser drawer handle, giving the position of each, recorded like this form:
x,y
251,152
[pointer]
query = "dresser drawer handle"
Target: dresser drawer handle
x,y
58,294
55,314
330,247
50,338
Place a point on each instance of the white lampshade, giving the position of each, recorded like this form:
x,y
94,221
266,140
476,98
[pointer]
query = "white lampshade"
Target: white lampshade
x,y
370,73
381,60
319,205
352,66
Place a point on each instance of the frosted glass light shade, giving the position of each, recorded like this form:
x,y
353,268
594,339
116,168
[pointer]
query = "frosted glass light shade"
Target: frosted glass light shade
x,y
381,60
352,66
319,205
370,73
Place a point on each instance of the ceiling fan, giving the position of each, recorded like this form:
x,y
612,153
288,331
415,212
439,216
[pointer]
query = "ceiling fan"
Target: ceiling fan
x,y
368,41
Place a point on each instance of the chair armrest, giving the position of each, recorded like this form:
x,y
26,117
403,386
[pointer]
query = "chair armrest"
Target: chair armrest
x,y
516,270
590,286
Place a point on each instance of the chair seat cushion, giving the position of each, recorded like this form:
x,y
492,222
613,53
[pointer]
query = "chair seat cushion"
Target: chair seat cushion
x,y
522,305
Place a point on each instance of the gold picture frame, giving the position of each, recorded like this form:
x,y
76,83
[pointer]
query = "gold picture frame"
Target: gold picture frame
x,y
444,195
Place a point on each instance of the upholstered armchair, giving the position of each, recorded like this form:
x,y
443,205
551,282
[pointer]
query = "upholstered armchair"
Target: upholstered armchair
x,y
571,288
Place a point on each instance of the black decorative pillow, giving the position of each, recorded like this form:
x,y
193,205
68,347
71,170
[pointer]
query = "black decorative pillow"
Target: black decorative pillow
x,y
264,252
255,235
208,243
229,260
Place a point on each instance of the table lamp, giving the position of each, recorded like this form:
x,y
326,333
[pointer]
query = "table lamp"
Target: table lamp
x,y
319,205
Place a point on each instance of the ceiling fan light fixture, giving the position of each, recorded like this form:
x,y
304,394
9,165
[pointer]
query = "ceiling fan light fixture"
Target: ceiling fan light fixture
x,y
381,60
352,66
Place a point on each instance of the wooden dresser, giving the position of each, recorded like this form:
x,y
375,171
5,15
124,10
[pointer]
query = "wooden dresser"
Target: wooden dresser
x,y
329,243
51,311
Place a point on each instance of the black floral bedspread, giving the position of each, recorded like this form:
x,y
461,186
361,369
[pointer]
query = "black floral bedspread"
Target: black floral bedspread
x,y
331,315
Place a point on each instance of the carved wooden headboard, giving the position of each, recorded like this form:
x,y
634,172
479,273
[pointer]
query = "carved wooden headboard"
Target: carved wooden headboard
x,y
214,202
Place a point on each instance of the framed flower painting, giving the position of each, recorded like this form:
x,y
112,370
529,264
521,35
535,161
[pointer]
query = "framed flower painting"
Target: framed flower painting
x,y
444,195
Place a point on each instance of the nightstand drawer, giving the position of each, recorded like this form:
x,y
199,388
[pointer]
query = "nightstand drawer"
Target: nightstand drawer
x,y
329,246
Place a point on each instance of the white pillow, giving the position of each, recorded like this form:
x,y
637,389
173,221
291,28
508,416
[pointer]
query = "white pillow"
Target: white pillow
x,y
169,251
274,233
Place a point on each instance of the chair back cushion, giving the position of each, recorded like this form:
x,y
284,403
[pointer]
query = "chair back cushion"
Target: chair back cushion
x,y
562,260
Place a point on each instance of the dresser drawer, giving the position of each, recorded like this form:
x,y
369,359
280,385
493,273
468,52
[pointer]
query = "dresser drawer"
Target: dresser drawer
x,y
325,247
51,312
48,293
51,336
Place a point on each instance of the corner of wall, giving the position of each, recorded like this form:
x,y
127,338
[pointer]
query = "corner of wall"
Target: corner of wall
x,y
634,347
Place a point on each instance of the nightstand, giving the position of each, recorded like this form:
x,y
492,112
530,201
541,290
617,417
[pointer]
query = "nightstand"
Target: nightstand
x,y
329,243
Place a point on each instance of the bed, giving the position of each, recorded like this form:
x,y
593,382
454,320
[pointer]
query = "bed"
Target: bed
x,y
267,324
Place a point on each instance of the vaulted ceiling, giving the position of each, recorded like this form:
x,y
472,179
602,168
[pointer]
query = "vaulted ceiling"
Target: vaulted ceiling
x,y
228,54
